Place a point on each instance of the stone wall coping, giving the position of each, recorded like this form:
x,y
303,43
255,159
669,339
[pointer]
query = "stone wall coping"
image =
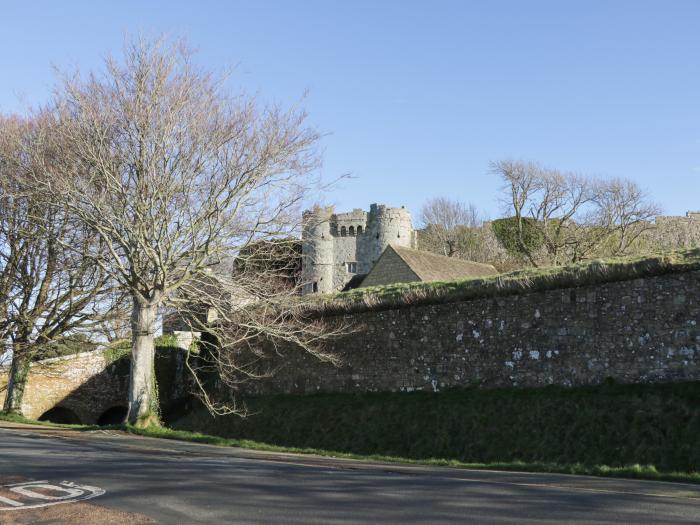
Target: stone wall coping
x,y
68,357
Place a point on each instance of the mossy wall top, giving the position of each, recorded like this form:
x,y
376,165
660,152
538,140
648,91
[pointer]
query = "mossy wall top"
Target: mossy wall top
x,y
632,331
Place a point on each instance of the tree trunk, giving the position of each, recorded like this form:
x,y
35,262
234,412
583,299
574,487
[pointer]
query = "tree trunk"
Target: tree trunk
x,y
143,400
19,370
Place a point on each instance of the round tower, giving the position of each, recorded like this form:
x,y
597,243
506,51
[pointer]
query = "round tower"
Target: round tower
x,y
387,226
317,251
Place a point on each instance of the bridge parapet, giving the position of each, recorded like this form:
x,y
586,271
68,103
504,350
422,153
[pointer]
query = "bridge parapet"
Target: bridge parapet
x,y
86,384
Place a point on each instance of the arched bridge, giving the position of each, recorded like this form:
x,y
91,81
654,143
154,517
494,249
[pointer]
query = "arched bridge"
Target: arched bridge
x,y
91,387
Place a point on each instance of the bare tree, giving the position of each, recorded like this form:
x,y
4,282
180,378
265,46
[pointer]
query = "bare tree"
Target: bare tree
x,y
174,175
625,210
449,226
116,326
48,292
548,200
520,182
571,216
250,318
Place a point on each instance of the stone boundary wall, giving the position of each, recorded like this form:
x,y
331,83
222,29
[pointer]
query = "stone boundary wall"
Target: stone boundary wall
x,y
642,330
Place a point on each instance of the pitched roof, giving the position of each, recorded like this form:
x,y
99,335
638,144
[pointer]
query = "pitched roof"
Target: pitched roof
x,y
432,267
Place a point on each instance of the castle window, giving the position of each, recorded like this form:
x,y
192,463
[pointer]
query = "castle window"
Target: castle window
x,y
314,287
343,231
352,231
352,267
359,230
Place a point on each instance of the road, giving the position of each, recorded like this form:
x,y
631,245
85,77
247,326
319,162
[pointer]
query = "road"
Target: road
x,y
172,482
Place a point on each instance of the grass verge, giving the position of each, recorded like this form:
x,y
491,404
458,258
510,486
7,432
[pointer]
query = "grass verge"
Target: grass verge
x,y
629,431
15,418
645,472
566,429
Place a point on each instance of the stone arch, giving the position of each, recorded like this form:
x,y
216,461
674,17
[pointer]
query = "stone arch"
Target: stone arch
x,y
60,414
343,231
351,231
113,416
359,230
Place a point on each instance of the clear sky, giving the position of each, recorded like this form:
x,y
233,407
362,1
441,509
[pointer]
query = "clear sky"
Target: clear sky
x,y
416,98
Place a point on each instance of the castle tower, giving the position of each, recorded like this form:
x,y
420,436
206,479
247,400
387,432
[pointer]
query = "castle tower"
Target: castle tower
x,y
336,247
385,226
317,251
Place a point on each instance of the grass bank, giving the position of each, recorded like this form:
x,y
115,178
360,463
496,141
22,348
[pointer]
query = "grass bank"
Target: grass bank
x,y
632,431
610,428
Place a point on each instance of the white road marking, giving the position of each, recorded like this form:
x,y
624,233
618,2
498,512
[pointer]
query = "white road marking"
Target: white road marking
x,y
66,492
8,501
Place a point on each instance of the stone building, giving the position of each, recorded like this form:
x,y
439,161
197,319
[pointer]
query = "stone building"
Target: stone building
x,y
404,265
337,247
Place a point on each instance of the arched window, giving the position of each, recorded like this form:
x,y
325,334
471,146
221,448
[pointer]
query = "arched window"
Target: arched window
x,y
343,231
359,230
352,231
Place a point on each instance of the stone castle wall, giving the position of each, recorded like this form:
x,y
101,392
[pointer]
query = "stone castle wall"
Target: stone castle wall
x,y
672,233
643,330
635,331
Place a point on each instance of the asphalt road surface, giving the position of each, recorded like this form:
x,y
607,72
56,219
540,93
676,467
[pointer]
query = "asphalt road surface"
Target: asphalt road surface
x,y
171,482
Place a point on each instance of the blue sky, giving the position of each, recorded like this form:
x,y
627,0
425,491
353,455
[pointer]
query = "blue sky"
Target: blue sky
x,y
416,98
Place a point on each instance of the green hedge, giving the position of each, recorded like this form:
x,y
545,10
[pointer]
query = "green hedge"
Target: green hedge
x,y
506,231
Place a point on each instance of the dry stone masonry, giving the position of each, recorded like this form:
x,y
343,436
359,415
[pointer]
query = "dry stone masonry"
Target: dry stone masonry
x,y
643,330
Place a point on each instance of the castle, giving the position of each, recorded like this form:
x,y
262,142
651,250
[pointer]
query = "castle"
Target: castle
x,y
338,249
339,246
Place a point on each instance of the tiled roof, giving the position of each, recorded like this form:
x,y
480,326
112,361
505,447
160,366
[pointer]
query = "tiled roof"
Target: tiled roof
x,y
432,267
